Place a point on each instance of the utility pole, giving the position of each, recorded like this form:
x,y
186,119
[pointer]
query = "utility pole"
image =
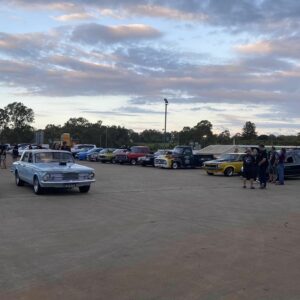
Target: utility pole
x,y
106,143
166,112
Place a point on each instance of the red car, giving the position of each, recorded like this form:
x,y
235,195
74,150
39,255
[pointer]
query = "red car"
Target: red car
x,y
132,155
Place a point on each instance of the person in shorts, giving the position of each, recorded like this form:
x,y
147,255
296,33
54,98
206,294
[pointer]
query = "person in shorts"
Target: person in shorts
x,y
273,155
262,166
249,169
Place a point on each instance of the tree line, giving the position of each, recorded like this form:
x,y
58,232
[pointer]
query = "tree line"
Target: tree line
x,y
16,127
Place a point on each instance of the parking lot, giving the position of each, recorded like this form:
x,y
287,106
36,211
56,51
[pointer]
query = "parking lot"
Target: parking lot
x,y
145,234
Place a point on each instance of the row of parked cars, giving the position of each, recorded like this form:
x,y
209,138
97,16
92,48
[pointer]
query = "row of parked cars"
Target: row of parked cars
x,y
179,157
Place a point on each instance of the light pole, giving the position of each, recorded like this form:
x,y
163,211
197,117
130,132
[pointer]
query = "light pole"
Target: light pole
x,y
166,112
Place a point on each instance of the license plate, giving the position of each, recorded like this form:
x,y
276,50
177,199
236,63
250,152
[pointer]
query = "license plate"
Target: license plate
x,y
69,186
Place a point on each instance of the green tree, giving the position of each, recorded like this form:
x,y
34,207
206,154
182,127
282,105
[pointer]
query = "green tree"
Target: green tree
x,y
19,115
224,137
249,131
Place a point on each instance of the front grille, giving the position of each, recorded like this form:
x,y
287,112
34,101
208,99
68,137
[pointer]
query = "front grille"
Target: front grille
x,y
211,167
70,176
160,162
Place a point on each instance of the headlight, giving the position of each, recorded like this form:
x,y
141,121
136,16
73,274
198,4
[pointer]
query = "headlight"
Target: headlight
x,y
92,175
46,177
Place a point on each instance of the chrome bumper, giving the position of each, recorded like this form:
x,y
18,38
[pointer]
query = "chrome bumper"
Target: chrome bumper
x,y
66,184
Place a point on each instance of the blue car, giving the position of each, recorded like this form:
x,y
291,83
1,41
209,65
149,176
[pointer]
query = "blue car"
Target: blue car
x,y
83,155
51,169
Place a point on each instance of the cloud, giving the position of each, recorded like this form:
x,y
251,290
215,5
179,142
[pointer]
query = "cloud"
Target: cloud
x,y
126,111
27,45
74,17
94,33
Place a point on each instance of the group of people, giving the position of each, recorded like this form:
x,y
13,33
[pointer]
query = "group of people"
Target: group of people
x,y
261,166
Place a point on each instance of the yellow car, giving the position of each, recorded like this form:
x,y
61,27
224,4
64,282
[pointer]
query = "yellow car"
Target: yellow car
x,y
228,164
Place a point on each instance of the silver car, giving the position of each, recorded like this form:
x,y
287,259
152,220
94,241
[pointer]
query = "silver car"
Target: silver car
x,y
51,169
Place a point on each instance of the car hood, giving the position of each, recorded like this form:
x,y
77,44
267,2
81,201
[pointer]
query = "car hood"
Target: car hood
x,y
69,167
216,161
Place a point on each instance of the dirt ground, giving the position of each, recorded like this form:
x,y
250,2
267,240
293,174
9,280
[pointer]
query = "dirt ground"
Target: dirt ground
x,y
150,234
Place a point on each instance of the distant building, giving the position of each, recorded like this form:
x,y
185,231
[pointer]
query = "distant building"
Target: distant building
x,y
39,137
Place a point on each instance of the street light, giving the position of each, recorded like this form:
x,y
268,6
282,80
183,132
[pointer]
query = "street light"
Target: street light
x,y
166,112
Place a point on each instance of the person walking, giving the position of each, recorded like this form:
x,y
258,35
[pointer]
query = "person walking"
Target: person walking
x,y
249,169
262,166
280,166
255,167
3,157
15,152
273,156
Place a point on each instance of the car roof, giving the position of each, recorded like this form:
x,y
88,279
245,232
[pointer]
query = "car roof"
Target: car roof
x,y
239,153
46,150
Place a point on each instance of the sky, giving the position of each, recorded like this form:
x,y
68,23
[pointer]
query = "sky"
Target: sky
x,y
228,62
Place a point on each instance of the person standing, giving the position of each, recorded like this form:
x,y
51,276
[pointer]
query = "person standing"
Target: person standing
x,y
15,153
262,166
273,165
65,147
255,167
248,169
280,166
3,157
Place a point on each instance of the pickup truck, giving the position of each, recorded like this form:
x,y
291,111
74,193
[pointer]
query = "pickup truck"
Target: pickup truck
x,y
132,155
182,157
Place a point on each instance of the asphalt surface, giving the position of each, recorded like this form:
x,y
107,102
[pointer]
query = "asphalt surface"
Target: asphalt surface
x,y
150,234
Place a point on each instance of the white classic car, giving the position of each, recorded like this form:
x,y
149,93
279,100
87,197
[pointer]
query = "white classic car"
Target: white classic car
x,y
51,169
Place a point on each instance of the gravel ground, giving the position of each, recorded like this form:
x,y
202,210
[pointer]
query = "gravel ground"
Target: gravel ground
x,y
150,234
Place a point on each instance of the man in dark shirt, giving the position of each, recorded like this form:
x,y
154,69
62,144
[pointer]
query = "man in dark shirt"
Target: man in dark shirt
x,y
262,166
280,166
65,147
248,168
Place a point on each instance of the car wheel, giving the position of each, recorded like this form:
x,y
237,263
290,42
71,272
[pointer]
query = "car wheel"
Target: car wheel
x,y
175,165
229,172
103,161
210,174
19,182
38,190
84,189
113,161
133,162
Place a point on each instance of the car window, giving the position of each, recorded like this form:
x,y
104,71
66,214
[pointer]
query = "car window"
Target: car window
x,y
25,157
188,152
53,157
30,158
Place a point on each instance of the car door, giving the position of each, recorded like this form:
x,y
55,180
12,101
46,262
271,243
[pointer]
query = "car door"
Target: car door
x,y
291,166
187,157
29,170
238,163
23,165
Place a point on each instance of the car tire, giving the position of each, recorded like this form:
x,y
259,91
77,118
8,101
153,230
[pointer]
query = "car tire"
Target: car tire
x,y
133,162
103,161
229,172
84,189
19,182
175,165
38,190
210,174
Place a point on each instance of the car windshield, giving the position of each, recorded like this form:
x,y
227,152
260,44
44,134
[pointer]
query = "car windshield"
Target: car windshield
x,y
229,157
178,150
53,157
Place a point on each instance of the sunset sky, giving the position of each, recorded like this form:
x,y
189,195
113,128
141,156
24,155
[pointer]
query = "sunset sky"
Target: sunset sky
x,y
228,61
